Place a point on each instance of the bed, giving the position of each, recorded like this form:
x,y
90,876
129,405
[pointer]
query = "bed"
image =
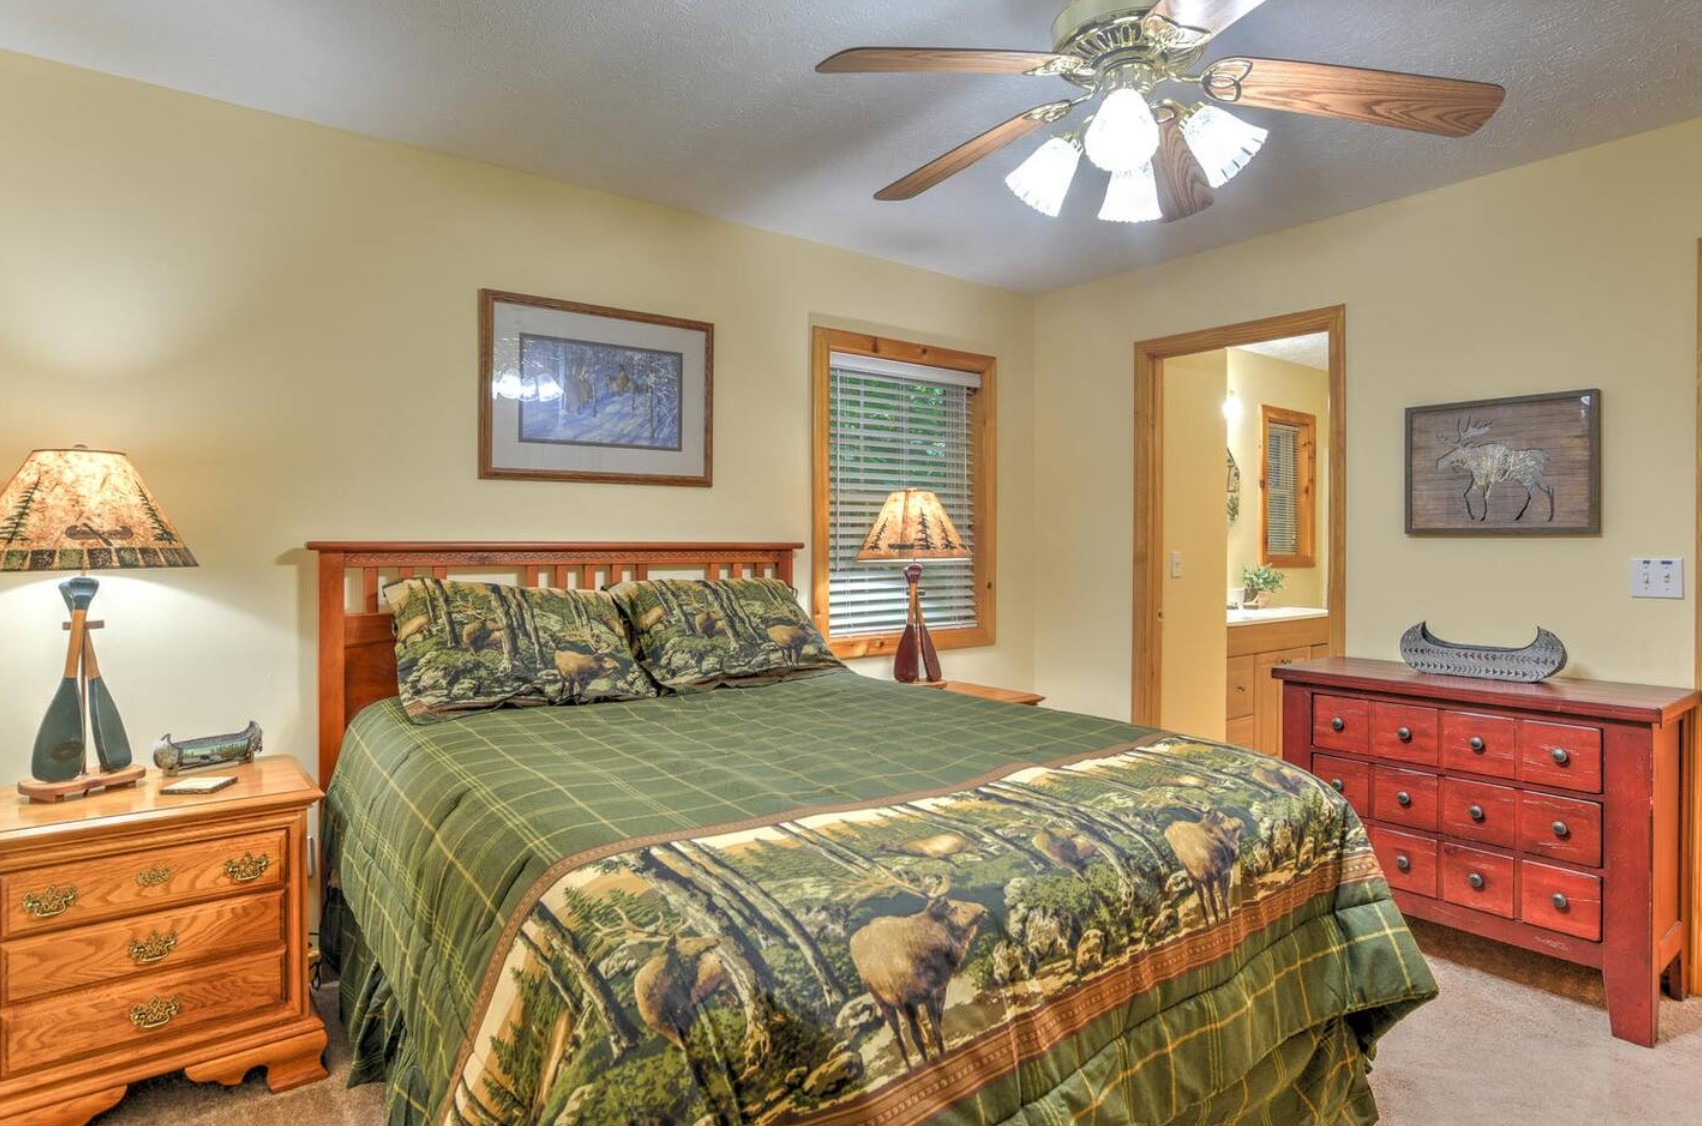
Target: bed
x,y
828,900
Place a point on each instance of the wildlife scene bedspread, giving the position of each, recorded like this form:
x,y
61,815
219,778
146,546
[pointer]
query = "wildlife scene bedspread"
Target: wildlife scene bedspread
x,y
993,914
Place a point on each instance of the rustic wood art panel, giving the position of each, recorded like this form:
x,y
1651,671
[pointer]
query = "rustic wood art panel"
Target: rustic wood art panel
x,y
1520,466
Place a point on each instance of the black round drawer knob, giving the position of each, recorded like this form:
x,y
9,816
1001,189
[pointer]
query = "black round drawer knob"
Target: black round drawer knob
x,y
1561,829
1476,881
1404,734
1337,723
1475,812
1336,785
1403,863
1476,743
1404,798
1560,755
1559,901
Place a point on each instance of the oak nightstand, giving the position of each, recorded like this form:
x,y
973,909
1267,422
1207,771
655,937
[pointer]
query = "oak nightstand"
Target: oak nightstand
x,y
985,692
142,933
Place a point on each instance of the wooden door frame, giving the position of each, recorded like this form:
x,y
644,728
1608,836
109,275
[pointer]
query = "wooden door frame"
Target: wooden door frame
x,y
1692,830
1147,669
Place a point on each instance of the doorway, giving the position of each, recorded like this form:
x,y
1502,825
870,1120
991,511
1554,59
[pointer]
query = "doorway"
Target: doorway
x,y
1293,523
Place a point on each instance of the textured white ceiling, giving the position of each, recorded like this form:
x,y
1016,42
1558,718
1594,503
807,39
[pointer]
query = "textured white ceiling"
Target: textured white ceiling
x,y
1308,351
713,106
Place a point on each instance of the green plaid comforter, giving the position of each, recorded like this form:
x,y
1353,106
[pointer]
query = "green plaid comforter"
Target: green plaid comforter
x,y
672,910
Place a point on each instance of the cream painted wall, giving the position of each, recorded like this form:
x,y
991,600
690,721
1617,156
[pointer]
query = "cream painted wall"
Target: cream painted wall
x,y
1575,272
1264,381
277,321
1195,640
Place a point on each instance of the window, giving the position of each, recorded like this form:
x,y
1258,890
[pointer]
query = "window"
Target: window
x,y
1288,514
891,415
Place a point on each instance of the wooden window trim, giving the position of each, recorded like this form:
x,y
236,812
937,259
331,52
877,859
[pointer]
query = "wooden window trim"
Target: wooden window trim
x,y
1305,491
983,488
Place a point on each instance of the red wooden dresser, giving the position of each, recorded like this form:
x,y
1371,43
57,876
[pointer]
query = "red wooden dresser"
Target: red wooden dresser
x,y
1550,816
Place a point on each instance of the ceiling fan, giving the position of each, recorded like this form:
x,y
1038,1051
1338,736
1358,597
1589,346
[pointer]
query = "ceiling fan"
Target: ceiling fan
x,y
1166,159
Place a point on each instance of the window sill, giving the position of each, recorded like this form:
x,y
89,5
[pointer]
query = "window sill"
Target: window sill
x,y
886,644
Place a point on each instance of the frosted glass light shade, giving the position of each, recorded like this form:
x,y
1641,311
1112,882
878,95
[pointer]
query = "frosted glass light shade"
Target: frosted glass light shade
x,y
1043,180
1123,134
1132,197
1222,142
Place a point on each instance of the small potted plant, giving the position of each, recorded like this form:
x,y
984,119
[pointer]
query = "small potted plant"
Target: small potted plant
x,y
1259,583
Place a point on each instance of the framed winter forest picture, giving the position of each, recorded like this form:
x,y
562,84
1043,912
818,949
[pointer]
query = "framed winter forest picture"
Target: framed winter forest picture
x,y
1526,466
571,392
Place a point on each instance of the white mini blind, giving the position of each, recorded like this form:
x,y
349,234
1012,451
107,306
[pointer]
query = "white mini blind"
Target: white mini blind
x,y
897,426
1282,525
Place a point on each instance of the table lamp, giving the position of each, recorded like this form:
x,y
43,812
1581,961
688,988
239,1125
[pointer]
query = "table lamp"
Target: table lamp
x,y
913,525
82,510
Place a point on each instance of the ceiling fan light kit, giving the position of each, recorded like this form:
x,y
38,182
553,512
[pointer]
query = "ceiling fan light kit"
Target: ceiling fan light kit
x,y
1166,158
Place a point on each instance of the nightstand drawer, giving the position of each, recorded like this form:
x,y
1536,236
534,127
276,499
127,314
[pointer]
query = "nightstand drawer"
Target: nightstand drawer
x,y
1404,797
1408,860
166,940
133,1016
71,894
1479,880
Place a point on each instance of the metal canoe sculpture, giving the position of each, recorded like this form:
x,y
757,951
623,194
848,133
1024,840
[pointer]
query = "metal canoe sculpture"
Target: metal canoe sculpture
x,y
1539,660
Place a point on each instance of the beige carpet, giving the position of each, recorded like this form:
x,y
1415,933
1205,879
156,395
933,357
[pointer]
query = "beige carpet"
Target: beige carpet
x,y
1516,1039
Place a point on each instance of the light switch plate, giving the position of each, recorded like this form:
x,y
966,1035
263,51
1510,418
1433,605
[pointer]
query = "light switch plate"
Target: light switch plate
x,y
1657,578
1175,564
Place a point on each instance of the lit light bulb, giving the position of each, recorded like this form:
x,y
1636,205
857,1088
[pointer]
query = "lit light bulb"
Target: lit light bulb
x,y
1132,197
1043,180
1123,134
1221,142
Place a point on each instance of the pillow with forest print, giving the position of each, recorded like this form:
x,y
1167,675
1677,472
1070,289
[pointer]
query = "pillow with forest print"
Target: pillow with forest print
x,y
697,634
468,647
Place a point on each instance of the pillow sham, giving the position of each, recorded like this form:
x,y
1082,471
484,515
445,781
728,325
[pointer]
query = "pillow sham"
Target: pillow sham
x,y
468,647
697,634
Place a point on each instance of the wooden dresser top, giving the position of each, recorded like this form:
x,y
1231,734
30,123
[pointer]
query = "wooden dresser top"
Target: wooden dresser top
x,y
269,782
1637,703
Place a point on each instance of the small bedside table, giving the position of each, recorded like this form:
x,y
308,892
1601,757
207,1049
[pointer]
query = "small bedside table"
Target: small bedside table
x,y
142,933
985,692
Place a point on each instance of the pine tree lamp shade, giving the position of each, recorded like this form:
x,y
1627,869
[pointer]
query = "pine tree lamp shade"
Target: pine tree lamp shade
x,y
913,525
82,510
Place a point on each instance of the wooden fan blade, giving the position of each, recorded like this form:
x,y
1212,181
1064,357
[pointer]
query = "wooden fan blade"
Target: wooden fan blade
x,y
1209,16
1450,107
1183,189
950,60
944,167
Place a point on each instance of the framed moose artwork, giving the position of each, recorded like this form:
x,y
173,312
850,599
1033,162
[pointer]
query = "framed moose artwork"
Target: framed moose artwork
x,y
1527,466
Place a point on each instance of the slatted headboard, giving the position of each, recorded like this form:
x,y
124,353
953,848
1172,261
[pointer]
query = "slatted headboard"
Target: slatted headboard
x,y
357,650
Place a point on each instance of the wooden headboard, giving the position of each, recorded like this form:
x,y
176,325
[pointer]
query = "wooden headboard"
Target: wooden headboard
x,y
357,648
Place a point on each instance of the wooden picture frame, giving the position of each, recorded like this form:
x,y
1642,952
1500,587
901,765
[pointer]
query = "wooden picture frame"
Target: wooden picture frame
x,y
1305,487
1530,466
576,392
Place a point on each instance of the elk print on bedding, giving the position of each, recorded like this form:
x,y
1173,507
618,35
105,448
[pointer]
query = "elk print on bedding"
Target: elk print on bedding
x,y
904,960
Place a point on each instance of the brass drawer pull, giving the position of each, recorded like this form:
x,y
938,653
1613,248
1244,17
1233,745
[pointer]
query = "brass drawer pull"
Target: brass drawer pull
x,y
156,1014
1404,798
49,901
1476,881
1403,863
154,948
1560,756
1476,744
153,877
1559,901
1561,829
248,869
1475,812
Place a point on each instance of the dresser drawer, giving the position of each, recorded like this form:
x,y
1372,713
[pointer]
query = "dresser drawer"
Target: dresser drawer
x,y
1238,702
61,895
1561,828
1555,754
1480,880
48,963
1560,900
132,1016
1404,733
1478,811
1341,724
1352,780
1480,744
1408,861
1404,797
